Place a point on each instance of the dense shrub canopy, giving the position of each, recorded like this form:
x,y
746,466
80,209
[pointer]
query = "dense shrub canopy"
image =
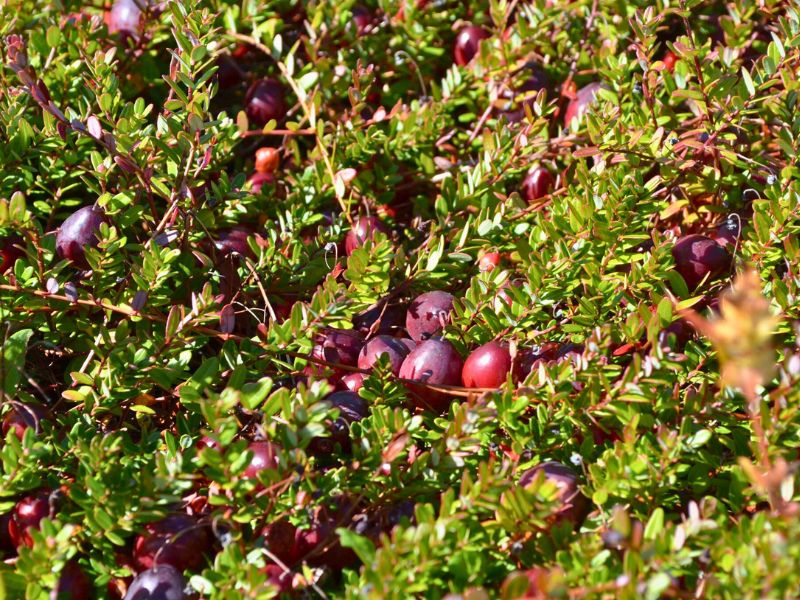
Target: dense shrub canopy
x,y
206,208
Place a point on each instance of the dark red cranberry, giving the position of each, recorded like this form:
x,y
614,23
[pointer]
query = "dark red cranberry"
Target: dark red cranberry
x,y
9,252
390,320
364,229
572,504
341,346
279,578
489,261
352,408
467,43
258,180
73,584
279,539
680,331
487,366
353,381
234,241
434,361
22,417
7,545
669,59
362,19
537,184
176,540
396,349
322,533
78,232
522,96
697,257
265,456
125,18
428,314
163,582
229,74
267,160
27,514
266,100
578,106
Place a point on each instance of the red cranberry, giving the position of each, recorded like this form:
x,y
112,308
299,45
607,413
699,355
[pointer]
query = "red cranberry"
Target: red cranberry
x,y
682,332
125,18
280,579
428,314
572,504
489,261
467,43
697,257
529,359
229,74
578,106
394,348
279,540
27,514
258,180
266,100
537,184
669,60
341,346
177,540
73,584
267,160
487,366
163,582
78,232
22,417
364,229
434,361
390,320
9,253
265,456
362,19
323,531
353,381
352,408
7,545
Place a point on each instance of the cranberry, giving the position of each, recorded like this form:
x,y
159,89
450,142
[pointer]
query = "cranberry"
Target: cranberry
x,y
234,241
27,514
364,229
487,366
697,257
280,579
78,232
467,43
279,540
434,361
362,19
489,261
177,540
394,348
265,456
267,160
7,545
125,18
22,417
390,319
572,504
73,584
266,100
428,314
537,184
9,253
257,181
352,408
578,106
669,59
341,346
163,582
353,381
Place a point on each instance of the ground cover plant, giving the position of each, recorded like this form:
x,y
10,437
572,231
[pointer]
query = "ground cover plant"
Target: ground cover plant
x,y
399,298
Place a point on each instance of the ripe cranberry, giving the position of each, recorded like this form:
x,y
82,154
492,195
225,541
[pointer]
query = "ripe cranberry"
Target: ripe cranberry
x,y
489,261
362,19
340,346
163,582
487,366
396,349
682,332
125,18
267,160
27,514
78,232
73,584
280,579
265,456
229,74
578,106
428,314
669,59
322,531
279,540
390,320
572,503
364,229
353,381
265,100
257,181
234,240
537,184
434,361
521,96
697,256
352,408
22,417
7,545
502,292
9,253
176,540
467,43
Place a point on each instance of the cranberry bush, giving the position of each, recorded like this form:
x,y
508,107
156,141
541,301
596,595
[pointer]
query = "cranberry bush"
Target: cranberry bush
x,y
399,298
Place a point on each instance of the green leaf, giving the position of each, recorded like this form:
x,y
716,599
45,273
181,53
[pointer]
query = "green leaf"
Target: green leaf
x,y
14,349
362,546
